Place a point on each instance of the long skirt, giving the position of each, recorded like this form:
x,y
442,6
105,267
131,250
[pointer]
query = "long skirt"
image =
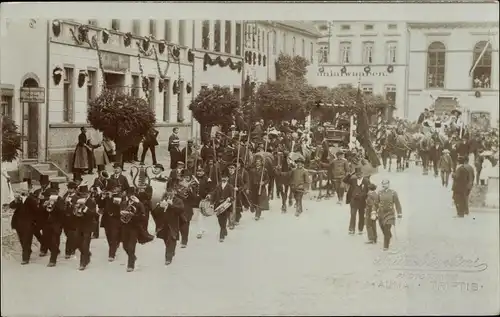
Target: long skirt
x,y
80,158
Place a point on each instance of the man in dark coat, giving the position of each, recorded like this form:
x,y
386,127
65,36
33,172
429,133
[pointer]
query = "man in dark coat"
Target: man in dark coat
x,y
434,156
175,175
118,178
470,184
175,154
223,192
423,115
460,188
150,142
356,198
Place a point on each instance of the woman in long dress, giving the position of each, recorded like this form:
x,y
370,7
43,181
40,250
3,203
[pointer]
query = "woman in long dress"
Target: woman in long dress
x,y
7,194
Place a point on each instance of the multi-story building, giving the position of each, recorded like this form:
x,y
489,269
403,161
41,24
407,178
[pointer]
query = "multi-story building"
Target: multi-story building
x,y
371,54
50,113
441,59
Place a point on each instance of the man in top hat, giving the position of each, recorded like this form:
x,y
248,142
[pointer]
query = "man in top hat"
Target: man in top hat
x,y
85,222
23,220
175,154
356,198
186,193
222,193
111,219
206,150
175,175
42,195
259,178
460,187
388,205
52,229
118,178
69,221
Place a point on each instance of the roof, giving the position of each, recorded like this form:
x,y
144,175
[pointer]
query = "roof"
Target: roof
x,y
307,27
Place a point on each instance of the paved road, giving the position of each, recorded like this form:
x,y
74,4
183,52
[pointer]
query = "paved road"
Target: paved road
x,y
285,265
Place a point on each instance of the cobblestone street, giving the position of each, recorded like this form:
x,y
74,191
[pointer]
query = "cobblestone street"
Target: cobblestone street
x,y
285,265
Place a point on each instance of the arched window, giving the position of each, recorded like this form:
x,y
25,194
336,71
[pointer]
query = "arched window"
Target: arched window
x,y
436,61
481,74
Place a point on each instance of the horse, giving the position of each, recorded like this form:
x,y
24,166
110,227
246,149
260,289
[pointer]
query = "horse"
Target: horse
x,y
399,145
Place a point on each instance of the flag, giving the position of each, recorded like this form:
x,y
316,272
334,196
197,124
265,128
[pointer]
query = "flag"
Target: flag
x,y
471,70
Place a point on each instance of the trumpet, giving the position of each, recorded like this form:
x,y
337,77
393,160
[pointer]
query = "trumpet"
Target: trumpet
x,y
129,212
167,200
80,208
50,203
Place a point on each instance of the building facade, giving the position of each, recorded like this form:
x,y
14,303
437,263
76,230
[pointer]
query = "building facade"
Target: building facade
x,y
372,54
49,55
441,59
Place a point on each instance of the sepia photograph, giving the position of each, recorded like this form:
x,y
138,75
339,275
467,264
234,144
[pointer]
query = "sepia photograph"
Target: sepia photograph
x,y
250,158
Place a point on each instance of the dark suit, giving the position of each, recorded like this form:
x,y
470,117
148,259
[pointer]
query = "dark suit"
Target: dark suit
x,y
167,225
173,178
119,180
23,221
218,196
102,184
149,143
175,156
434,156
460,188
356,198
470,169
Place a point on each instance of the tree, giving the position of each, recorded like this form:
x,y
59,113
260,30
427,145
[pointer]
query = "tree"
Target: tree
x,y
11,140
123,118
214,107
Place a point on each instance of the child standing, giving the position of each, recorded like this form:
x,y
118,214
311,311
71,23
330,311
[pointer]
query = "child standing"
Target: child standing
x,y
445,167
371,214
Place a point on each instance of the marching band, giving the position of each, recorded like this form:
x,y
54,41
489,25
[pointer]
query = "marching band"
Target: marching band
x,y
229,175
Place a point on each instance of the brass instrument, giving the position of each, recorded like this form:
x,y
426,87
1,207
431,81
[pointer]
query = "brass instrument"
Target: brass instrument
x,y
167,200
50,203
81,208
104,175
129,212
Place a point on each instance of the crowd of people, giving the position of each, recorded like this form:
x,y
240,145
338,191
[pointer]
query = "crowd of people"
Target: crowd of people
x,y
230,174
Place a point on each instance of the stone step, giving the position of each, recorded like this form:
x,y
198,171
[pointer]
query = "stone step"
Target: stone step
x,y
41,167
50,173
58,179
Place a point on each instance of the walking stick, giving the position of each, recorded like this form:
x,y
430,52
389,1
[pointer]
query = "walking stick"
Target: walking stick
x,y
263,164
233,213
215,162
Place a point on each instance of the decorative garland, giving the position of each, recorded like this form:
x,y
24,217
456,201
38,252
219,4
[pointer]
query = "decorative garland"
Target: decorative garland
x,y
175,87
207,60
367,69
95,45
82,76
127,39
145,80
343,70
57,75
189,88
160,85
56,28
161,46
477,94
105,36
190,56
390,69
264,60
145,47
82,36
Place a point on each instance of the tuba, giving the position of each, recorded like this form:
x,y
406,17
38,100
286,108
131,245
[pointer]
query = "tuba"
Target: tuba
x,y
131,211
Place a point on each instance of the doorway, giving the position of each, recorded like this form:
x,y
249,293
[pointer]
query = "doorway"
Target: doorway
x,y
31,124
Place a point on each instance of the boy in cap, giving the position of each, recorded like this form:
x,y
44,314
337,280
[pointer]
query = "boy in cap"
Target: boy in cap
x,y
445,167
25,210
223,192
371,213
299,183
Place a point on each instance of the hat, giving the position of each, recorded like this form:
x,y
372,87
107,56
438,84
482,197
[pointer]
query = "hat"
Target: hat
x,y
104,174
299,160
186,173
130,190
232,164
233,126
117,165
175,141
225,174
44,179
72,185
385,182
180,163
159,166
446,151
257,123
54,185
200,169
190,141
83,188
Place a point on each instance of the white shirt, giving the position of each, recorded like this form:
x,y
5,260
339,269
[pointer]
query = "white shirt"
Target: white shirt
x,y
223,185
359,181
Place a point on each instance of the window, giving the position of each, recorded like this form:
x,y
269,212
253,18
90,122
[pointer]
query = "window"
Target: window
x,y
367,89
294,43
311,56
91,84
238,38
68,94
182,32
93,22
323,53
303,48
368,27
481,75
136,86
6,106
392,26
152,27
167,31
152,90
392,52
284,50
237,92
258,40
275,42
217,36
251,34
390,94
180,102
205,33
263,37
345,52
345,27
368,53
166,100
136,27
227,37
436,61
115,24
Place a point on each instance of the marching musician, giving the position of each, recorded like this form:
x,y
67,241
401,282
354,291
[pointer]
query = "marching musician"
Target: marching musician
x,y
119,178
111,218
52,229
175,175
23,220
42,195
185,192
202,189
69,219
259,178
84,210
167,214
100,184
223,193
299,183
212,170
240,181
131,210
